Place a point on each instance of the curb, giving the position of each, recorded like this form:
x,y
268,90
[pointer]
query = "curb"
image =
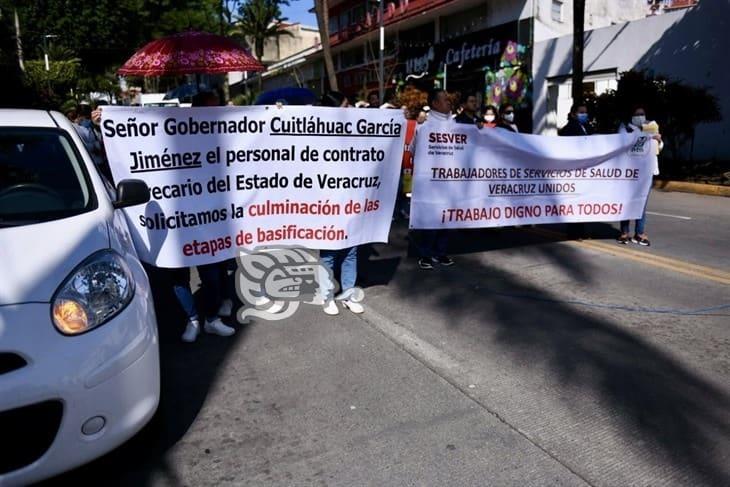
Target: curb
x,y
696,188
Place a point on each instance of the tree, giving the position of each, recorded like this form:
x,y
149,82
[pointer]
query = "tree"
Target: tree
x,y
260,20
677,107
321,7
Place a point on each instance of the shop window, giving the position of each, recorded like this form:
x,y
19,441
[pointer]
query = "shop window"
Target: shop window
x,y
556,11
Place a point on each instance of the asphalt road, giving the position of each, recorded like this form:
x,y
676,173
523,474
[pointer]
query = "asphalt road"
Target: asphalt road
x,y
532,361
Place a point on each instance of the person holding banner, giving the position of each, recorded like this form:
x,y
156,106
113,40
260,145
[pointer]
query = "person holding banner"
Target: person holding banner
x,y
639,124
577,125
431,245
345,259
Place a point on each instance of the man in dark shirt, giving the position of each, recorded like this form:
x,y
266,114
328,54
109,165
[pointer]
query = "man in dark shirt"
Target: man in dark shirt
x,y
468,113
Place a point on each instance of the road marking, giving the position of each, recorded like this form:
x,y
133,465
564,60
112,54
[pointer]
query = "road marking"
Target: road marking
x,y
623,252
667,215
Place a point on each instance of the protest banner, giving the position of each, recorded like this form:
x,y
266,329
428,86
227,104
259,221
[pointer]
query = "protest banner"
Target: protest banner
x,y
469,178
228,177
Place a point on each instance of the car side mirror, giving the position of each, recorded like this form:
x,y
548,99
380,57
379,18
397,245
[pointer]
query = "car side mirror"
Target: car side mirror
x,y
131,192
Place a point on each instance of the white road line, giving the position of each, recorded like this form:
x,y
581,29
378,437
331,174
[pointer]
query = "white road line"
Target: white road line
x,y
670,216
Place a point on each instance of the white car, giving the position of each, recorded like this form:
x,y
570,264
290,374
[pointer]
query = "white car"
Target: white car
x,y
79,356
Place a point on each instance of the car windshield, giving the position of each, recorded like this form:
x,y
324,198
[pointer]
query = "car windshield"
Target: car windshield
x,y
42,177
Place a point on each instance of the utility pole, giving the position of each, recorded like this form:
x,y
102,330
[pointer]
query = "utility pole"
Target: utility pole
x,y
579,8
381,70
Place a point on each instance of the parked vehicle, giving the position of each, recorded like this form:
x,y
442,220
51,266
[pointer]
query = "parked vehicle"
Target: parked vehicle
x,y
79,358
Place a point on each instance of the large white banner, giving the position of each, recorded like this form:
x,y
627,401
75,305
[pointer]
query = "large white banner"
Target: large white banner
x,y
228,177
467,178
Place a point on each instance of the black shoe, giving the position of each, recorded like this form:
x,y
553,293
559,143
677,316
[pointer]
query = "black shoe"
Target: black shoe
x,y
444,260
623,239
425,263
643,241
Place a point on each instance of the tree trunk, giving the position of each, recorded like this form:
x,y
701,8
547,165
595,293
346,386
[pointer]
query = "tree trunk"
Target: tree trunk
x,y
321,7
579,8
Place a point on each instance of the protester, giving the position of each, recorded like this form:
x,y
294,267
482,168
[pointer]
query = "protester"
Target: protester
x,y
212,279
578,119
507,118
344,259
373,100
639,123
490,117
431,245
577,125
468,113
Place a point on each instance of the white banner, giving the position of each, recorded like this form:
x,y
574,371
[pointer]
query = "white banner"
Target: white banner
x,y
229,177
469,178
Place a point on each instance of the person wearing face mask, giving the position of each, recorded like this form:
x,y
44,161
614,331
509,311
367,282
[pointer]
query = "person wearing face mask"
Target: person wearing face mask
x,y
507,118
578,119
639,124
577,125
490,117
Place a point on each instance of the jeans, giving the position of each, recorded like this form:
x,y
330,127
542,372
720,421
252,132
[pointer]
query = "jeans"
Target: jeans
x,y
347,260
431,243
639,224
211,288
181,288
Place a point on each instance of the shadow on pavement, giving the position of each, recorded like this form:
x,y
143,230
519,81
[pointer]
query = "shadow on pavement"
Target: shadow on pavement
x,y
682,418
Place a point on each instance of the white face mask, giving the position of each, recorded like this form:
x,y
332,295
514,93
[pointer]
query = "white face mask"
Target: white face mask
x,y
509,117
489,118
638,120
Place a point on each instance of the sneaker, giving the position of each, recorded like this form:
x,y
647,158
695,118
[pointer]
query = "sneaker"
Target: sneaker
x,y
331,308
226,308
425,263
623,239
192,330
217,327
643,241
356,308
445,260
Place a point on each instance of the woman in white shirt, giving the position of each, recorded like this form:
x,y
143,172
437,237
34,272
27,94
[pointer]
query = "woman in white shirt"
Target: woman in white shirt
x,y
639,124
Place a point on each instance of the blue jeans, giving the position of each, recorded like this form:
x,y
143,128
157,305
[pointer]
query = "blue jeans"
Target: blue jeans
x,y
639,224
347,261
431,243
181,288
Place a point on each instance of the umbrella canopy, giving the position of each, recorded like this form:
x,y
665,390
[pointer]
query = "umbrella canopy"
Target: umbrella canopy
x,y
189,53
292,96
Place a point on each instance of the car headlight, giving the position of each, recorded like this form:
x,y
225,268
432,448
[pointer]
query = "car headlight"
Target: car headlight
x,y
95,292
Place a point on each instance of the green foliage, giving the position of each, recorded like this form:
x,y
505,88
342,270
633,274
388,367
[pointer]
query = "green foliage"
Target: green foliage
x,y
676,106
245,99
101,35
52,85
258,20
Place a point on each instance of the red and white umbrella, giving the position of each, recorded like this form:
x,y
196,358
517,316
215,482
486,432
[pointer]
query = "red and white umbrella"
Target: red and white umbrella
x,y
190,53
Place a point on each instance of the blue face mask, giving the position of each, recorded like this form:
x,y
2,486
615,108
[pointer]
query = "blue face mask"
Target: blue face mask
x,y
582,118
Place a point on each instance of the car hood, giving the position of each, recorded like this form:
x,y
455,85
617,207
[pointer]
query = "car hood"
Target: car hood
x,y
35,259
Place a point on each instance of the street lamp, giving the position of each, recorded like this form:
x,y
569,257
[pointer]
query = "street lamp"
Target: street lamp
x,y
45,49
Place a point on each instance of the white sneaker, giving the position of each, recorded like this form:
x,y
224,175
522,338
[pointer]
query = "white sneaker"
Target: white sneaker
x,y
356,308
217,327
226,308
191,331
331,308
